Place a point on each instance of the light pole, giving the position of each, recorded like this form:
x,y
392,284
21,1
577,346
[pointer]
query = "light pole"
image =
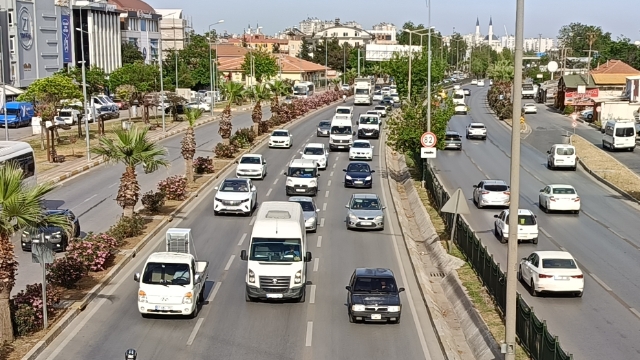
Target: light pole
x,y
512,255
213,101
428,84
411,32
252,59
326,58
3,100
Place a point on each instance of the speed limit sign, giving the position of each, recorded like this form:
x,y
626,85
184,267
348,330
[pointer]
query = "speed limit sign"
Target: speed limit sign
x,y
428,139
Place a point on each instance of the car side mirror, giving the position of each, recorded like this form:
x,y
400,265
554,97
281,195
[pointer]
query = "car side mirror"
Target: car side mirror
x,y
301,153
236,161
253,188
348,288
347,206
317,175
354,133
401,290
495,216
284,173
548,152
373,171
541,190
317,210
345,170
525,259
475,186
243,255
357,122
136,277
196,279
372,147
308,257
264,162
216,188
384,207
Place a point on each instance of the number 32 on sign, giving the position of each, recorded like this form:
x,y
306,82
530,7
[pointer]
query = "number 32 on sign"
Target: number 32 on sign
x,y
428,153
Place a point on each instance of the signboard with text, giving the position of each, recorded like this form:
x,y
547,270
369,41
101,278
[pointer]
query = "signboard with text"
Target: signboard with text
x,y
65,21
576,97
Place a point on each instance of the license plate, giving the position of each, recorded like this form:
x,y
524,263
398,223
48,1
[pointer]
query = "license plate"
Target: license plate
x,y
358,182
366,223
340,147
274,296
163,308
376,316
300,190
561,277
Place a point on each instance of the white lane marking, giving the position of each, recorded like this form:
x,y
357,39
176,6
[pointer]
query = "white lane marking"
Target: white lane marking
x,y
94,195
244,236
324,207
312,296
309,333
562,248
114,184
331,174
635,312
328,183
316,263
269,192
322,222
589,215
334,165
253,219
275,182
214,291
597,279
226,268
337,157
326,193
616,233
319,244
192,337
545,232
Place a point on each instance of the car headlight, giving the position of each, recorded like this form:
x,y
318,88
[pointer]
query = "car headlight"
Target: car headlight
x,y
368,178
25,236
393,308
298,278
379,218
216,199
313,183
188,298
353,217
289,182
347,177
310,221
357,307
142,296
252,276
244,201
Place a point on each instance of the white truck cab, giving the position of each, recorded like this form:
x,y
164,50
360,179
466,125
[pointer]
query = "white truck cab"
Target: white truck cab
x,y
368,126
302,177
173,281
277,257
341,133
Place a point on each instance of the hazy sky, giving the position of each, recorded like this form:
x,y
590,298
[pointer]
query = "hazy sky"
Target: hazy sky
x,y
541,16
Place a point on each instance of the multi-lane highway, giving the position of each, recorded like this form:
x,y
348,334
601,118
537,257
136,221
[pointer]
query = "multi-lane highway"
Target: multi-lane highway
x,y
91,195
230,328
605,323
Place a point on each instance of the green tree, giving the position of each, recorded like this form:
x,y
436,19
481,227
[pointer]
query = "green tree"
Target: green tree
x,y
95,76
398,67
576,37
233,92
188,143
21,208
130,53
128,94
145,79
305,50
264,67
131,148
457,51
501,71
195,56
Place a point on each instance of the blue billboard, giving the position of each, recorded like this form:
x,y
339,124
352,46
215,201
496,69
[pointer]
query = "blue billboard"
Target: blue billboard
x,y
66,38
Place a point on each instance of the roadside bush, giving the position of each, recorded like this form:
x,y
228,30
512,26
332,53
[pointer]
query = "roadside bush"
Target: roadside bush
x,y
263,128
224,151
243,138
248,134
127,227
174,187
153,202
66,271
238,142
202,165
94,251
27,308
568,110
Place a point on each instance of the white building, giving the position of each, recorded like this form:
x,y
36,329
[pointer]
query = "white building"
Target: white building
x,y
172,29
141,28
102,37
312,26
345,34
384,33
377,52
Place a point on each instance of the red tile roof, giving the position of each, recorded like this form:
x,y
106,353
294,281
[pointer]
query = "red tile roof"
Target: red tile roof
x,y
289,64
228,50
613,72
133,5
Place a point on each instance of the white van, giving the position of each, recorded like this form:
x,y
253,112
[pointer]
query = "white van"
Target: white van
x,y
459,97
368,126
277,257
562,156
341,133
619,134
302,177
345,110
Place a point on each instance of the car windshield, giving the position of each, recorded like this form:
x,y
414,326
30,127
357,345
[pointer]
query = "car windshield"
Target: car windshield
x,y
341,130
302,172
525,220
306,205
275,250
324,124
559,264
477,126
625,132
373,120
380,108
458,96
343,111
565,151
250,160
65,113
234,186
358,167
496,187
371,284
313,151
365,204
279,133
361,144
362,91
166,274
564,191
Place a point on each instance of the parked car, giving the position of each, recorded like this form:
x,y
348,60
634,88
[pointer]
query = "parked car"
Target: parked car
x,y
56,236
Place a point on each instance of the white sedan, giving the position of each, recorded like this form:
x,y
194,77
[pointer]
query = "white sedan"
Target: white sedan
x,y
558,197
316,152
361,149
551,271
529,108
251,166
280,138
198,105
377,96
235,196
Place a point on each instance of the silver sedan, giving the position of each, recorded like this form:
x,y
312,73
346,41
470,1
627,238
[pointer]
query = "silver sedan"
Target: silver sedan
x,y
309,210
365,211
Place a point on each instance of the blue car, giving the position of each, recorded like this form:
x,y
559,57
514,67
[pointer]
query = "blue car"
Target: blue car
x,y
358,174
18,114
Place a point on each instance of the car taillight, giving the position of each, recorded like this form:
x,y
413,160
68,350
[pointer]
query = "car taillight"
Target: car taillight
x,y
485,192
578,276
507,192
576,199
543,276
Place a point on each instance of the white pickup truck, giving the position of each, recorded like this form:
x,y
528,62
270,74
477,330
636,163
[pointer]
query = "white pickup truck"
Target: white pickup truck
x,y
172,282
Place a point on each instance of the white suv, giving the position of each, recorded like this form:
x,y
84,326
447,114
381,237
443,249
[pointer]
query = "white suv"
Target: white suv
x,y
477,130
491,193
280,138
316,152
562,155
251,166
527,226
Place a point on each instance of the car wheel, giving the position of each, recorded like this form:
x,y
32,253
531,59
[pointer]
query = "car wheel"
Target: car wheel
x,y
519,273
545,209
303,297
577,212
194,313
144,315
574,168
65,243
532,289
495,231
216,213
535,241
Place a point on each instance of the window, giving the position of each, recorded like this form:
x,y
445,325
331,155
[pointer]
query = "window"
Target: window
x,y
558,264
357,34
625,132
12,44
345,34
167,274
133,24
152,25
143,25
14,71
357,44
153,45
10,17
133,41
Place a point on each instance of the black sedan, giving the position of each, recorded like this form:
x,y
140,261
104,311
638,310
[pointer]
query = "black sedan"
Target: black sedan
x,y
374,296
358,174
55,236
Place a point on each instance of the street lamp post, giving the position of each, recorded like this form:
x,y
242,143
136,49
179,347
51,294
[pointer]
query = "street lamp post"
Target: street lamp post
x,y
326,58
3,99
411,32
213,100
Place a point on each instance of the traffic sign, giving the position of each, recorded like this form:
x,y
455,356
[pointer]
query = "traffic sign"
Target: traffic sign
x,y
574,124
428,153
428,139
598,109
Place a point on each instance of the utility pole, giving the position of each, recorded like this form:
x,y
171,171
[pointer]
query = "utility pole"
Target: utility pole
x,y
592,39
539,43
512,255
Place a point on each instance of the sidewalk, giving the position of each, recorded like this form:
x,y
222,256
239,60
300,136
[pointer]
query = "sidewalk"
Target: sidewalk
x,y
72,168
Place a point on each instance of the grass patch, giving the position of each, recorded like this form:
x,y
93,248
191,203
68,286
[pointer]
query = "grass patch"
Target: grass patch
x,y
482,301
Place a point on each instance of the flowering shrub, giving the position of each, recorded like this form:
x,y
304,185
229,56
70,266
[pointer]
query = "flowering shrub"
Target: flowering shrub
x,y
224,151
242,138
127,227
27,308
202,165
263,128
66,271
94,251
174,187
153,201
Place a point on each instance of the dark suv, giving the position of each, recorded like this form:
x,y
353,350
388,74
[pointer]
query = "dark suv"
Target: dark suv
x,y
57,237
374,296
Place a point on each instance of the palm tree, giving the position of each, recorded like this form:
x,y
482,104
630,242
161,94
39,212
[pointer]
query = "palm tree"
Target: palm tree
x,y
131,148
336,84
21,208
260,93
188,143
233,92
279,88
501,71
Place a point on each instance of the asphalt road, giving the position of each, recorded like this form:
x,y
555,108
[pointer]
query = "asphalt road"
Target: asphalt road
x,y
91,195
230,328
604,323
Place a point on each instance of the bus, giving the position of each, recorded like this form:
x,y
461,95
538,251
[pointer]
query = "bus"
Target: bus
x,y
20,153
303,90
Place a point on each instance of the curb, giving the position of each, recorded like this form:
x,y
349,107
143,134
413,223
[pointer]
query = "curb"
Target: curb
x,y
78,307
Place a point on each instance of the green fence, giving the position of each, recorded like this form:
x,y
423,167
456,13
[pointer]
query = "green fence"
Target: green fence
x,y
533,333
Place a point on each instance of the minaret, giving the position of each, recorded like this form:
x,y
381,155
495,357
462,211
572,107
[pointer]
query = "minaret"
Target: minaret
x,y
477,36
490,31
